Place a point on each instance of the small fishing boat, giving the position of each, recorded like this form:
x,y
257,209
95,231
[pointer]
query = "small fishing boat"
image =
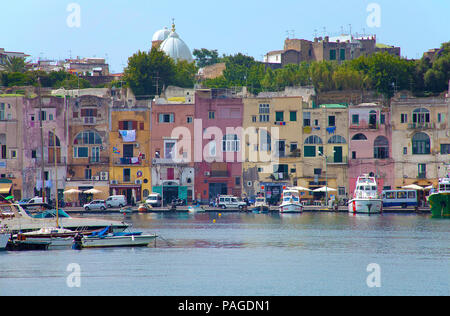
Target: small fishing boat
x,y
440,200
24,245
366,199
291,202
260,205
107,238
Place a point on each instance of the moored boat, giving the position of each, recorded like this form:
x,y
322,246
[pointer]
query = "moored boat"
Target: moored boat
x,y
291,202
366,199
440,200
260,205
106,238
16,218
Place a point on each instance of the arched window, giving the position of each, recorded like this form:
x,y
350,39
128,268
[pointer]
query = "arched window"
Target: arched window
x,y
359,137
310,149
336,139
313,140
421,144
231,143
381,148
88,138
421,116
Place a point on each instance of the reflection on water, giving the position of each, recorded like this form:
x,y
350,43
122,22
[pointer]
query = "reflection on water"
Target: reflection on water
x,y
249,254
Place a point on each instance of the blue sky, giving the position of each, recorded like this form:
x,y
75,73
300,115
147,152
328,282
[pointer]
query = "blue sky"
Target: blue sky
x,y
115,29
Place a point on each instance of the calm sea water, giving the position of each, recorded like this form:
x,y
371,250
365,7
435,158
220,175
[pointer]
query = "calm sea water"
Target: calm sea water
x,y
249,255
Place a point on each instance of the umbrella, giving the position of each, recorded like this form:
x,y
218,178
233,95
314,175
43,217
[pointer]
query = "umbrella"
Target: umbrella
x,y
71,191
324,189
92,191
413,187
300,189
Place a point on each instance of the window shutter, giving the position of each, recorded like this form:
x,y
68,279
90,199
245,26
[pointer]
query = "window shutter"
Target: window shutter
x,y
121,126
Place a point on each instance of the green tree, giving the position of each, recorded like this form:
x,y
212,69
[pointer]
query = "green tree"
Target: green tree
x,y
15,64
146,71
206,57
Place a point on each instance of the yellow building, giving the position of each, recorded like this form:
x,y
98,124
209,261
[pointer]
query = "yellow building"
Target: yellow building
x,y
130,164
272,142
325,149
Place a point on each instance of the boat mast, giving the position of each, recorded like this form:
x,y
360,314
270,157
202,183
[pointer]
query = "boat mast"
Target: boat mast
x,y
56,177
42,141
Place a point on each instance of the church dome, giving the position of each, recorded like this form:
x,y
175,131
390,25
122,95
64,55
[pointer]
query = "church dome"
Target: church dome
x,y
161,35
176,48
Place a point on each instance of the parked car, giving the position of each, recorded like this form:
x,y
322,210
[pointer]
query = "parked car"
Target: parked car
x,y
95,205
154,200
229,201
36,200
117,201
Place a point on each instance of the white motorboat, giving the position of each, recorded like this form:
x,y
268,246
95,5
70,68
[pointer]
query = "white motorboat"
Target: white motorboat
x,y
291,202
260,205
16,219
366,199
106,239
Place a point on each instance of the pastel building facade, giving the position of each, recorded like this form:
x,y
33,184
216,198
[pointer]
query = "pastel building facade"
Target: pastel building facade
x,y
370,148
129,151
173,173
217,149
88,147
271,145
325,149
421,139
11,145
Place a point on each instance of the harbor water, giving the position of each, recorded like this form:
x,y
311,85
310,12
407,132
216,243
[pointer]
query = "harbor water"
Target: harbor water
x,y
246,254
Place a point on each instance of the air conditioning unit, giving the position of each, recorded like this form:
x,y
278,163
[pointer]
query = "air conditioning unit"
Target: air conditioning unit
x,y
104,176
138,182
96,178
136,145
114,182
207,173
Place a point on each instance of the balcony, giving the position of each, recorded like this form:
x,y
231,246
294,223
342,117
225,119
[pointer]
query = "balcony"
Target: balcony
x,y
128,161
169,161
337,161
421,126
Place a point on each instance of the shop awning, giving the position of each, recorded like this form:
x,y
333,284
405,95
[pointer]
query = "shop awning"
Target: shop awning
x,y
5,188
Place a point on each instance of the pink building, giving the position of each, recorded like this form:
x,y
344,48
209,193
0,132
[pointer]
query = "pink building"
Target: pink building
x,y
370,150
217,144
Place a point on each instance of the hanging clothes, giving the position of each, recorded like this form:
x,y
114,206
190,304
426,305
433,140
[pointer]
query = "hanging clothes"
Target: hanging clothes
x,y
128,136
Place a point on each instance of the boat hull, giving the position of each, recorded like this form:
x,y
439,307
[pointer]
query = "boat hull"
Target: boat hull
x,y
291,208
440,204
365,206
3,241
260,209
118,241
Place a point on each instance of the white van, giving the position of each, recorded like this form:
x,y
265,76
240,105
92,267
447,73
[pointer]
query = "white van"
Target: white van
x,y
154,199
115,201
229,201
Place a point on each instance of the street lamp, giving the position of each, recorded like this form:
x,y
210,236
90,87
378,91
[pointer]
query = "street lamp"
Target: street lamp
x,y
326,175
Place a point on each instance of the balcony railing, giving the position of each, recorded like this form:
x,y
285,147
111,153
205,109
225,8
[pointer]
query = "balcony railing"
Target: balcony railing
x,y
421,125
334,160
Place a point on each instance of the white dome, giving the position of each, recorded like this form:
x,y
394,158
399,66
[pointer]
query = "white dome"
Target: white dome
x,y
161,35
176,48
